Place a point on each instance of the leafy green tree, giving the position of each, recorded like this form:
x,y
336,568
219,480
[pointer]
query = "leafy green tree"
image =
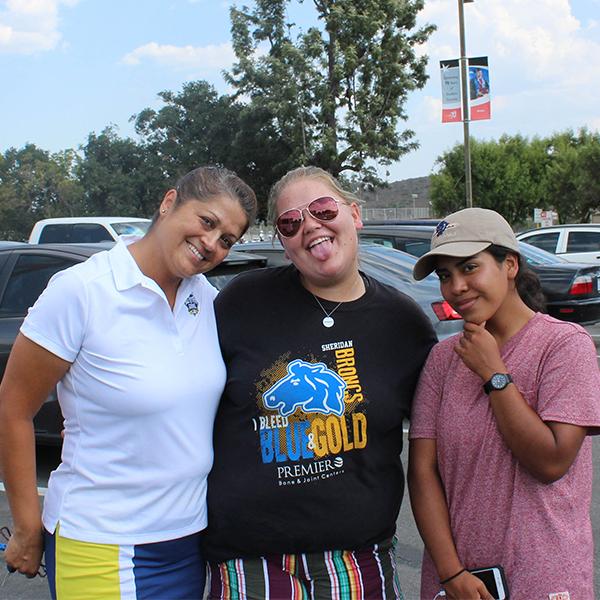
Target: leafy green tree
x,y
573,178
336,92
514,175
119,176
194,127
35,184
198,127
508,176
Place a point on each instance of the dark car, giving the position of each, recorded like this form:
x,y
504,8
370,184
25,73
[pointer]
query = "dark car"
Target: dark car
x,y
414,239
572,290
388,266
25,270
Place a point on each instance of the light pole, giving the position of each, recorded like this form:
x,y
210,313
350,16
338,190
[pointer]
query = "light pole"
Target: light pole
x,y
465,102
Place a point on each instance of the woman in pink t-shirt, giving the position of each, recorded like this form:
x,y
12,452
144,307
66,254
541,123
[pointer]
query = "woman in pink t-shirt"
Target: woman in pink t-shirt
x,y
500,459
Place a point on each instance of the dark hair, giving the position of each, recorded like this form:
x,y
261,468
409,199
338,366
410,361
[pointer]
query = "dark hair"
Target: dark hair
x,y
204,183
527,282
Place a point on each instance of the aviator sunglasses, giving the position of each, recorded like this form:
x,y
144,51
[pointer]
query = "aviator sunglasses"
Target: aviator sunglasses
x,y
323,209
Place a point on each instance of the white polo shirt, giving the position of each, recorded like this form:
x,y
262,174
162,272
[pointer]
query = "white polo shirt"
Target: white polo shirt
x,y
139,400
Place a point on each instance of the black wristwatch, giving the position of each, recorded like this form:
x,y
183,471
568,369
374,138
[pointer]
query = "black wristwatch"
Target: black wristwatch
x,y
497,382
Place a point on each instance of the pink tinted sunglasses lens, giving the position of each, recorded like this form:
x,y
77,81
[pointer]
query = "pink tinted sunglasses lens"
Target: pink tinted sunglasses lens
x,y
322,209
288,223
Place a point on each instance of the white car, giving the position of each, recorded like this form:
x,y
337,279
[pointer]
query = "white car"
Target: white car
x,y
85,230
575,243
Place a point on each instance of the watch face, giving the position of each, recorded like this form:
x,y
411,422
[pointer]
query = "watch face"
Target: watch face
x,y
499,381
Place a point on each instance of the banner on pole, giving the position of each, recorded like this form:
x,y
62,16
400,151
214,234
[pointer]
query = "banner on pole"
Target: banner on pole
x,y
451,99
479,89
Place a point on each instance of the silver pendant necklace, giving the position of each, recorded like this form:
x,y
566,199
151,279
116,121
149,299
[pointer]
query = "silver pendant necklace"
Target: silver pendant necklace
x,y
327,319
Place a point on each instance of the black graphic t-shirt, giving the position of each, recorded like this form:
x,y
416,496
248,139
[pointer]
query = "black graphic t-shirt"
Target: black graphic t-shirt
x,y
308,434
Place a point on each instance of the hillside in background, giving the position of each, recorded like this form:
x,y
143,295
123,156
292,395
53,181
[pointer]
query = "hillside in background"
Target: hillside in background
x,y
406,199
399,194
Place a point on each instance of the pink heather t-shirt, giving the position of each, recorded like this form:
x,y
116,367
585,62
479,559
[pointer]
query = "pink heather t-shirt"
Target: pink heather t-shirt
x,y
500,515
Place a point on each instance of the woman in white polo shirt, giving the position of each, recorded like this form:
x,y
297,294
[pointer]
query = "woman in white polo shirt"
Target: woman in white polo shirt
x,y
129,338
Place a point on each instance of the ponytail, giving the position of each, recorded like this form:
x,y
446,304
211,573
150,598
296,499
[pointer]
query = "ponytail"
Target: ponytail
x,y
527,282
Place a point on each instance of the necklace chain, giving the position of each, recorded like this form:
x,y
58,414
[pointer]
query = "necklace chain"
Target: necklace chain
x,y
327,319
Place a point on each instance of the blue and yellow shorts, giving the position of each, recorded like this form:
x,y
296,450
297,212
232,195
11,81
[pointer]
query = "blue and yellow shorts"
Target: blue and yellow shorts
x,y
173,569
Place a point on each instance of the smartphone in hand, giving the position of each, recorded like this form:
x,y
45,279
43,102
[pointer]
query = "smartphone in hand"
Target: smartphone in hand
x,y
494,580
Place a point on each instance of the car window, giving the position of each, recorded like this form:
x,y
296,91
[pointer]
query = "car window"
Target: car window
x,y
74,233
131,227
367,239
89,233
28,280
222,274
52,234
536,256
583,241
418,247
545,241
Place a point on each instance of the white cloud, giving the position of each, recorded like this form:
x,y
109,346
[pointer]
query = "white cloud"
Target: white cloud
x,y
532,42
544,71
200,58
30,26
432,107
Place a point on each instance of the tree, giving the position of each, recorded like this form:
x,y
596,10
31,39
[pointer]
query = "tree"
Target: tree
x,y
194,127
573,184
514,175
198,127
35,184
336,93
508,176
119,176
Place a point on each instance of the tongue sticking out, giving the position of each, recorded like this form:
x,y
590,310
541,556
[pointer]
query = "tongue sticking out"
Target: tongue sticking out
x,y
323,250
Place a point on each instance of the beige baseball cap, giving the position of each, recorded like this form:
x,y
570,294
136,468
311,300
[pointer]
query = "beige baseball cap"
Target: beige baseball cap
x,y
465,233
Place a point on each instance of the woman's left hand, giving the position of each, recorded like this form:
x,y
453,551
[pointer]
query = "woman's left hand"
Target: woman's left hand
x,y
24,552
479,350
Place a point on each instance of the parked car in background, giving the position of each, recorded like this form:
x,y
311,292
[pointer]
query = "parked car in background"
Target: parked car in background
x,y
388,266
427,221
414,239
572,290
86,230
25,270
575,243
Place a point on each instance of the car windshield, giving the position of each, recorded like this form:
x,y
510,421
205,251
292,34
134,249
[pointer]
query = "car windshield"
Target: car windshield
x,y
131,227
537,256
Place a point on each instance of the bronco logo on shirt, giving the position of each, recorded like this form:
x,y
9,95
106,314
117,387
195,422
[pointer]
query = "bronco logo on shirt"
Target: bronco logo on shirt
x,y
312,414
310,386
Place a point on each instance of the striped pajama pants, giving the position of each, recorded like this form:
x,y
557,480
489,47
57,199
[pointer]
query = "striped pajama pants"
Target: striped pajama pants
x,y
367,574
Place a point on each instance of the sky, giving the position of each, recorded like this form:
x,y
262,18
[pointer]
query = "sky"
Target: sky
x,y
72,67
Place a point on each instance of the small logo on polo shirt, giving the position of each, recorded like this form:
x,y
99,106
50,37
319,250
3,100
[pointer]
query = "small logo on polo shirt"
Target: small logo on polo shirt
x,y
192,305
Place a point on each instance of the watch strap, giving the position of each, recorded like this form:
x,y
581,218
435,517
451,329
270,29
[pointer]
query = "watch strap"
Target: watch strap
x,y
489,386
